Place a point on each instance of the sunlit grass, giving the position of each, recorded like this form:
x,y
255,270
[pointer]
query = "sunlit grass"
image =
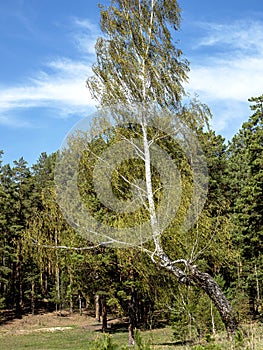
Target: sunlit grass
x,y
79,338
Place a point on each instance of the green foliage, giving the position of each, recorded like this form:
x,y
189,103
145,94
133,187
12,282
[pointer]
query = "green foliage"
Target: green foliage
x,y
139,343
239,340
42,260
137,60
103,343
106,343
193,315
245,176
208,347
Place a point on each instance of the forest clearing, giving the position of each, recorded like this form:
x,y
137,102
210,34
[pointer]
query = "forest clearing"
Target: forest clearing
x,y
49,331
144,215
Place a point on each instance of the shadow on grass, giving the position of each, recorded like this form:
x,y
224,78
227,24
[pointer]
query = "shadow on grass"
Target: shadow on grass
x,y
9,315
120,327
176,343
6,316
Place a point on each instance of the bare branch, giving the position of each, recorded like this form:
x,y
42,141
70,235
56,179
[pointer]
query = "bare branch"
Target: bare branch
x,y
36,242
180,261
139,151
194,258
123,177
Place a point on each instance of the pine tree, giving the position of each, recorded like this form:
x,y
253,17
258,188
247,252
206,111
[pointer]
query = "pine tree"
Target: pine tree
x,y
246,188
5,244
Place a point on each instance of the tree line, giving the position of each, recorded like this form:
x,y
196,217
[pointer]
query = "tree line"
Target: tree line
x,y
45,264
199,274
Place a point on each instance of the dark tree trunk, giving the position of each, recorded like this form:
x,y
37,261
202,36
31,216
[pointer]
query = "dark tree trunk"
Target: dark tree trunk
x,y
132,305
71,305
104,313
131,334
32,297
18,282
207,284
80,305
132,318
212,289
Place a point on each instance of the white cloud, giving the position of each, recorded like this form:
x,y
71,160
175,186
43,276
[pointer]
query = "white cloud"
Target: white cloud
x,y
238,35
86,36
64,86
234,78
226,70
60,84
230,71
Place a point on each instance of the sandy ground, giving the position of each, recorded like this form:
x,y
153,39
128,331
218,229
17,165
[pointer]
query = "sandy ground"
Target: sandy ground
x,y
51,322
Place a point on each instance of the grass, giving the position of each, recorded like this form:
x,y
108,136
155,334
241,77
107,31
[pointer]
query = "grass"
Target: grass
x,y
72,339
55,333
79,339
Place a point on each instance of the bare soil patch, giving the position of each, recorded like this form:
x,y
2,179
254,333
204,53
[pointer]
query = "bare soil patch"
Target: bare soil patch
x,y
53,322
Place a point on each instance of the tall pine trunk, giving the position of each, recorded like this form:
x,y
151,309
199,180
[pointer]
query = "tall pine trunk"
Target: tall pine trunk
x,y
80,305
104,313
32,296
71,304
132,305
97,307
132,318
57,278
18,282
132,315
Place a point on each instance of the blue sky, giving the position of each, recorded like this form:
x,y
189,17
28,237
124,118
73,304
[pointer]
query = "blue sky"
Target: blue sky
x,y
47,48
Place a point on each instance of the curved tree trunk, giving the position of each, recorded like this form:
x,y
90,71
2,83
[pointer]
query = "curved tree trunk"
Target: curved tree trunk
x,y
193,275
207,284
212,289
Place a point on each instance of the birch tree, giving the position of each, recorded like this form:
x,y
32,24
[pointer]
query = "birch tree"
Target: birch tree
x,y
138,83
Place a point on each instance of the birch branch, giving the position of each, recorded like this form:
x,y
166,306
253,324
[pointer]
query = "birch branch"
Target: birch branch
x,y
36,242
114,169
